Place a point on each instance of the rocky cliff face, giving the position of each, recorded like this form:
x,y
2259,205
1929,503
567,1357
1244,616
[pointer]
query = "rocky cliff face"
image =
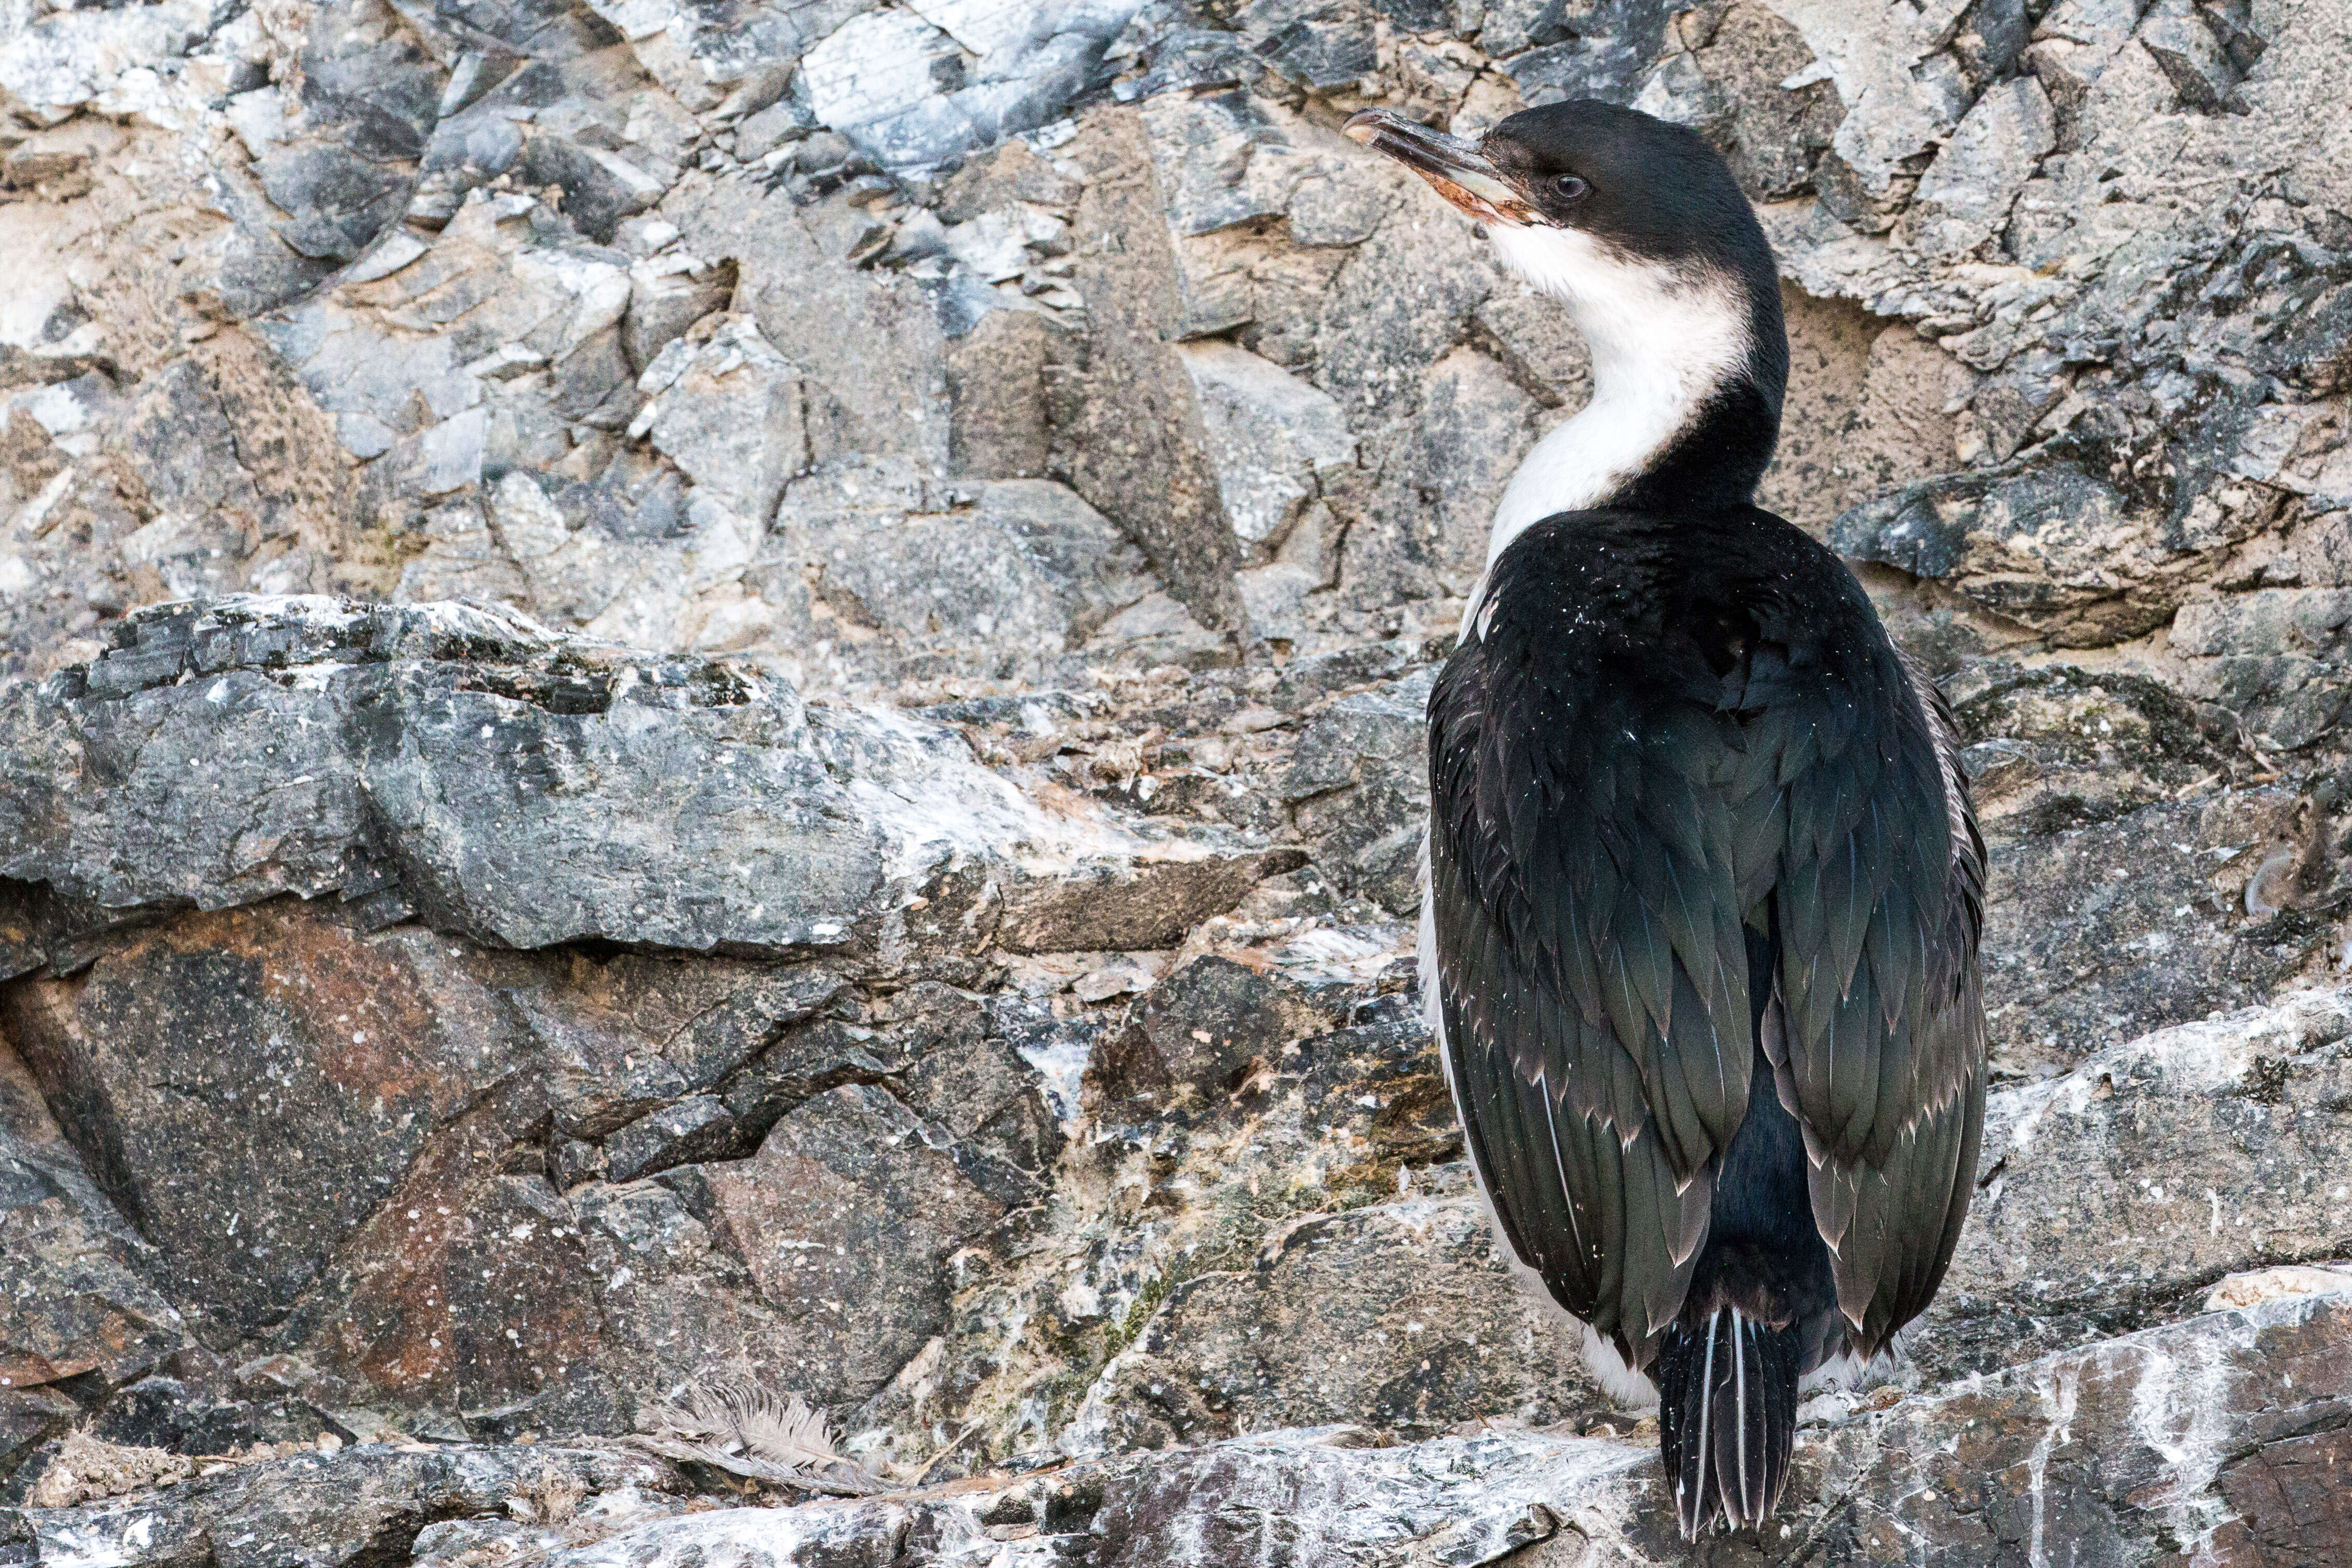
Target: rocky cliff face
x,y
702,694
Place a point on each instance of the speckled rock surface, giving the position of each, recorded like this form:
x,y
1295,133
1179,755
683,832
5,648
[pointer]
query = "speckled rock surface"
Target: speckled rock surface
x,y
2224,1428
735,687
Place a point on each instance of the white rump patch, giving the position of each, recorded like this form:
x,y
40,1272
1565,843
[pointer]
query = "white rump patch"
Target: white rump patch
x,y
1632,1389
1840,1374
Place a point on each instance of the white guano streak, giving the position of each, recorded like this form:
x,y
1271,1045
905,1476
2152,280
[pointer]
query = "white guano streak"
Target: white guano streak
x,y
1662,342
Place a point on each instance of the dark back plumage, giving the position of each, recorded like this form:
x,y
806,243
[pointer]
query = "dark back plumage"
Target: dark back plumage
x,y
1705,894
1704,887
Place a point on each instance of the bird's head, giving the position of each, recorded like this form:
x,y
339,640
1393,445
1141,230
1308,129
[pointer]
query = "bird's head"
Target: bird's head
x,y
1639,227
1584,198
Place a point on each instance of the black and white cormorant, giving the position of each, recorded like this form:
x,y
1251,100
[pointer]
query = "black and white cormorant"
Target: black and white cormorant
x,y
1699,936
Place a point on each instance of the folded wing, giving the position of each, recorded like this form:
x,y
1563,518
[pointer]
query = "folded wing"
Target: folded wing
x,y
1600,848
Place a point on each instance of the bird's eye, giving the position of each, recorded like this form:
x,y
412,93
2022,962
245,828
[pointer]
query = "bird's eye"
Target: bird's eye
x,y
1568,187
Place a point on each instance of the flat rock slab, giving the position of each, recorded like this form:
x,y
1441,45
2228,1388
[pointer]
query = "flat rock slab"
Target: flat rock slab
x,y
522,788
2209,1440
2157,1447
1305,1497
2110,1196
363,1506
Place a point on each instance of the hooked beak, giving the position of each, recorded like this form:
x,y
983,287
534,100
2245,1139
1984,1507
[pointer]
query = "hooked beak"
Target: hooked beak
x,y
1455,169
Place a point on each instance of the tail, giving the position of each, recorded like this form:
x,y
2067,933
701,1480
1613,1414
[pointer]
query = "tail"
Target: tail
x,y
1727,1417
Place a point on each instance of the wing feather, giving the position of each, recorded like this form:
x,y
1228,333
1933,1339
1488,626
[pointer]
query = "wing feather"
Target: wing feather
x,y
1886,1072
1602,840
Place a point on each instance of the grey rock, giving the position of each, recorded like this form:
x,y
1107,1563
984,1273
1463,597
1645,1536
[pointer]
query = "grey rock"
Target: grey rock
x,y
1232,167
871,342
1221,160
2193,54
1899,114
29,1418
1320,45
2119,897
2078,909
1319,1495
1020,565
2106,1443
673,1136
1751,88
330,1511
245,1232
1150,904
1270,435
668,294
899,81
60,62
2068,294
697,51
341,200
1140,453
2189,1431
1206,1026
966,1077
1414,1308
636,552
1011,173
1000,420
1542,353
2058,746
732,413
2051,547
2274,656
393,701
1604,56
2113,1194
1965,195
408,1242
1426,530
1157,632
1358,785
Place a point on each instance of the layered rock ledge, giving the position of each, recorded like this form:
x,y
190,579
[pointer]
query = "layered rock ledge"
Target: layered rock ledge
x,y
522,788
458,1051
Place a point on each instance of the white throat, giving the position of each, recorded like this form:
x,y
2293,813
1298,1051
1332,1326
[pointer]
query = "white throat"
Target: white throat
x,y
1662,342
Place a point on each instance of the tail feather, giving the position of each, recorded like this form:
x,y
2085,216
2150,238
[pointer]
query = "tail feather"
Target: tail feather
x,y
1727,1417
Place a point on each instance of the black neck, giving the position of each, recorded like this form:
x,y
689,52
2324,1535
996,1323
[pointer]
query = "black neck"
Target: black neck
x,y
1717,459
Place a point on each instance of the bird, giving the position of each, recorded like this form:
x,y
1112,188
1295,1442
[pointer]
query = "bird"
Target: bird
x,y
1703,887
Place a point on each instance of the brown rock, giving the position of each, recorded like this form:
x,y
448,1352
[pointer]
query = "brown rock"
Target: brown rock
x,y
250,1086
848,1218
83,1292
1146,903
336,1140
